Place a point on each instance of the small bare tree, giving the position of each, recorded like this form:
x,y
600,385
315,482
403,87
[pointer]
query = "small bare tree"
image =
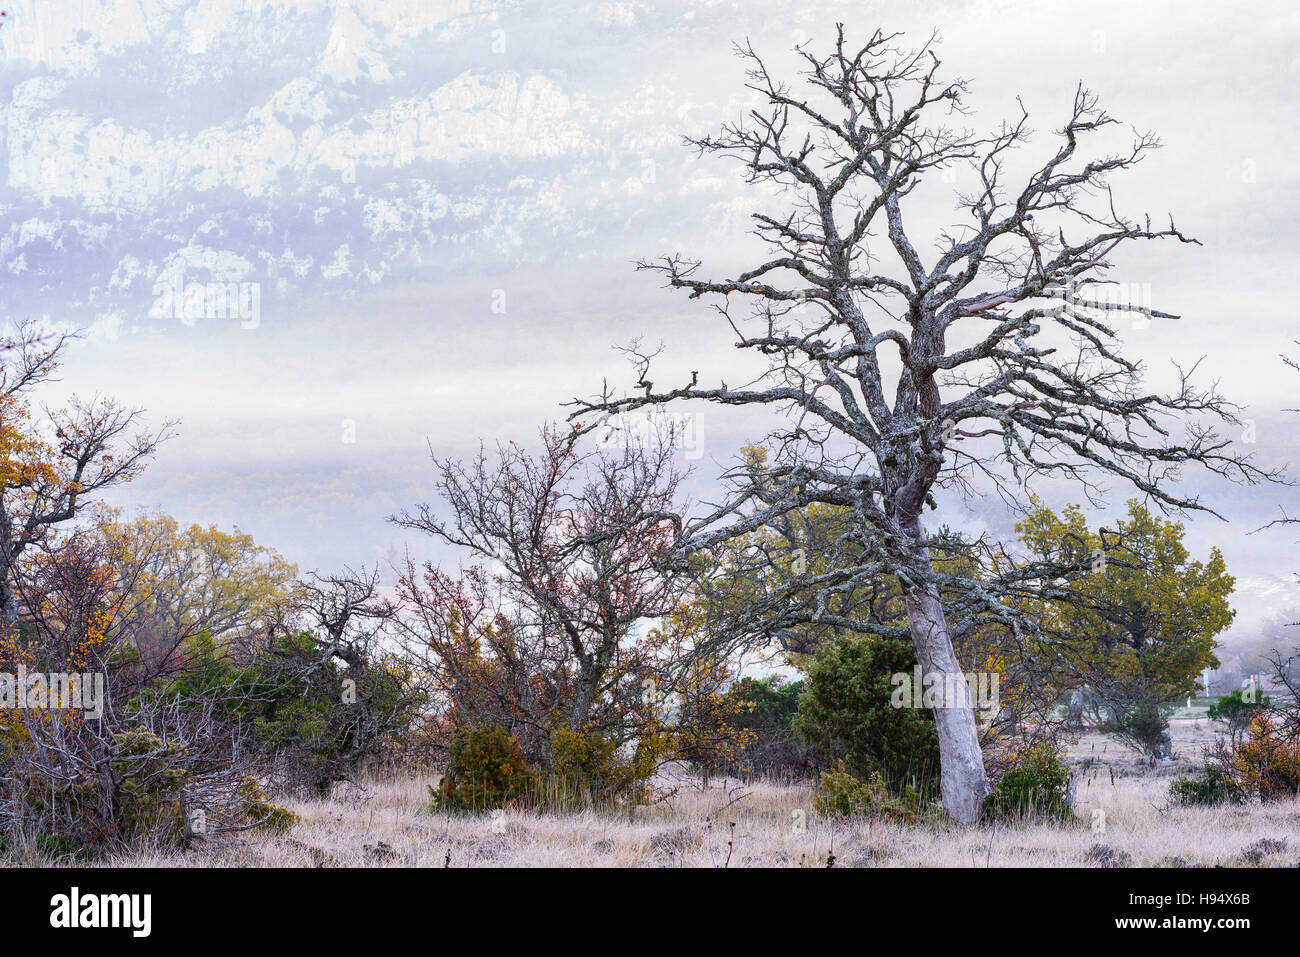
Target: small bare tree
x,y
992,358
578,543
569,625
49,476
352,622
1285,665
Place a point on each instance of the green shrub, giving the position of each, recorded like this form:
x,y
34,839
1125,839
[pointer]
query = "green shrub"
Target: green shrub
x,y
259,810
292,701
1138,720
1209,786
589,766
843,795
487,770
775,748
845,710
1037,787
1236,710
149,784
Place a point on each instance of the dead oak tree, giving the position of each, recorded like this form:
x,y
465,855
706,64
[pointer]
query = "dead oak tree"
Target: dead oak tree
x,y
992,359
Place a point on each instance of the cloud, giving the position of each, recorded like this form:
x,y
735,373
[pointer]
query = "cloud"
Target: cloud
x,y
382,170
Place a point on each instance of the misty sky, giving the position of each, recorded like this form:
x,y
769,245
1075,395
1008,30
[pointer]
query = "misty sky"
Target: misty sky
x,y
434,207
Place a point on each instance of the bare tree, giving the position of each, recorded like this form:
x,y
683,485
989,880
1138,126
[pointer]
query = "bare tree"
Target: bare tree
x,y
1284,673
570,550
1007,366
350,612
347,656
47,480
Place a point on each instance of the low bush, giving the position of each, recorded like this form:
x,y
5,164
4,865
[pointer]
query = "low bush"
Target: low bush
x,y
81,791
591,767
1209,786
1037,786
1264,764
842,794
148,781
257,807
1140,722
487,770
846,711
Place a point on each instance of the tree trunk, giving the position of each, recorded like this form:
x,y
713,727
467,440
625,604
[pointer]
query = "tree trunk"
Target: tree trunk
x,y
962,779
8,604
1075,717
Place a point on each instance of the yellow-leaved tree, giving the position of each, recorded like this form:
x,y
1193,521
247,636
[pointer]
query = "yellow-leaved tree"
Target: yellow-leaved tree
x,y
1141,627
54,466
193,581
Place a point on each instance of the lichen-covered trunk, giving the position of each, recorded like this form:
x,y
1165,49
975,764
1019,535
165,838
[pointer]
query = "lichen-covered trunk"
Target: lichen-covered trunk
x,y
1074,719
962,779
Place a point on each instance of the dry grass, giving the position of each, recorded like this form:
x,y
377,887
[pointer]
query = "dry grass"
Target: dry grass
x,y
389,824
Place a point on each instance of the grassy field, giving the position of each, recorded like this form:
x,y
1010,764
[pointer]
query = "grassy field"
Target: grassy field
x,y
388,823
